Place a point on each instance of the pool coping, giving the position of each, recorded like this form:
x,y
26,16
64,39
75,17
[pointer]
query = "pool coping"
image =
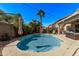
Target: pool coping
x,y
66,49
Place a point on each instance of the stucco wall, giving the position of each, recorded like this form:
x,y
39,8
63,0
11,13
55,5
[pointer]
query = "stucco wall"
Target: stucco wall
x,y
6,28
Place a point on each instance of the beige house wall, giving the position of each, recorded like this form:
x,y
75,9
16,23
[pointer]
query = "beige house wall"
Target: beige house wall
x,y
6,28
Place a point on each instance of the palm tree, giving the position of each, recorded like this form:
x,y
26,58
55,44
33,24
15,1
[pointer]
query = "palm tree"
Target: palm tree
x,y
41,13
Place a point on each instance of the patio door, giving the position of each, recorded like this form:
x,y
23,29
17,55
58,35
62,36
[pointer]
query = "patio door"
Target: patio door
x,y
77,28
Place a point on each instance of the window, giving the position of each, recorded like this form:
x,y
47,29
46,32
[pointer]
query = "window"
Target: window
x,y
77,28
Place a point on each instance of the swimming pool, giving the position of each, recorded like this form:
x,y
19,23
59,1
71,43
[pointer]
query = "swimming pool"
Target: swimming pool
x,y
39,43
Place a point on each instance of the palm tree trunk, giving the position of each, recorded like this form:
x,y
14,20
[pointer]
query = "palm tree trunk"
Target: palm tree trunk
x,y
40,24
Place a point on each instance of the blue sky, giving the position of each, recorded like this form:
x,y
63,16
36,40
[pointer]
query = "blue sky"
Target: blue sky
x,y
53,11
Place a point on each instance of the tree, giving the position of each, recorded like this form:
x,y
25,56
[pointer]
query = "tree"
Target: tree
x,y
5,16
41,13
44,31
26,29
8,18
2,15
35,26
1,11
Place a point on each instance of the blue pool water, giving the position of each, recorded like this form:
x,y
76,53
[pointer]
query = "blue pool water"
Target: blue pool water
x,y
39,42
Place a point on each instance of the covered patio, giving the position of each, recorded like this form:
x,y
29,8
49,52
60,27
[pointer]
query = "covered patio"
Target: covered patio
x,y
69,26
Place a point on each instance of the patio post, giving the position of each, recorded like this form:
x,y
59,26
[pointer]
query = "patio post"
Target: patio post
x,y
58,29
20,32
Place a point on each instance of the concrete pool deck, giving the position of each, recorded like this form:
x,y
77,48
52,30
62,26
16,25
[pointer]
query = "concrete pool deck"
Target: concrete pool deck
x,y
67,48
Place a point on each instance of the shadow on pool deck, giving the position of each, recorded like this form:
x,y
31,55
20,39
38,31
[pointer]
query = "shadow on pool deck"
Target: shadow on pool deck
x,y
4,43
